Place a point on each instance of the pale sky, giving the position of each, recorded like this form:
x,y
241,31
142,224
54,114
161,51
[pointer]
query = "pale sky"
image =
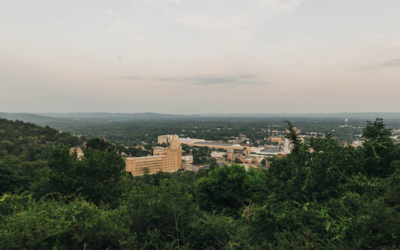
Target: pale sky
x,y
200,56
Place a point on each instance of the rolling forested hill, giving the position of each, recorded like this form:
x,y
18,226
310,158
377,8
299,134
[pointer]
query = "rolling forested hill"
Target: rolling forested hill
x,y
34,142
34,118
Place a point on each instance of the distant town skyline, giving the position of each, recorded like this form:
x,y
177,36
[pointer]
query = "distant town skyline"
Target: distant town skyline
x,y
196,57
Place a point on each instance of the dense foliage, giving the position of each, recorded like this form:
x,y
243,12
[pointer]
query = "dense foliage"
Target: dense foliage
x,y
333,197
33,142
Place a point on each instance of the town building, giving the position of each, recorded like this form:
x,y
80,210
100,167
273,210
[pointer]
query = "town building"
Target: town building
x,y
187,159
216,154
164,139
140,147
295,129
357,144
164,159
287,146
77,150
251,159
275,139
231,155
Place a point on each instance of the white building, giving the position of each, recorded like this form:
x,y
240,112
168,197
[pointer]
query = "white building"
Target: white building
x,y
216,154
287,146
357,144
187,159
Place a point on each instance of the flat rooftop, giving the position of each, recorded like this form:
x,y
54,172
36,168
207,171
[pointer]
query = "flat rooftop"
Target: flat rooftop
x,y
145,157
217,144
270,150
190,140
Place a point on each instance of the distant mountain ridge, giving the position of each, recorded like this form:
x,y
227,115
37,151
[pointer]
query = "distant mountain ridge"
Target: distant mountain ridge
x,y
113,115
147,115
366,115
98,118
32,118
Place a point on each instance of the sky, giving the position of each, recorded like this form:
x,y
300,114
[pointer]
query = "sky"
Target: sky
x,y
200,56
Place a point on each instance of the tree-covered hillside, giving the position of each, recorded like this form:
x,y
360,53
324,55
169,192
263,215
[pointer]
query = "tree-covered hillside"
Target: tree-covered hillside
x,y
33,142
333,197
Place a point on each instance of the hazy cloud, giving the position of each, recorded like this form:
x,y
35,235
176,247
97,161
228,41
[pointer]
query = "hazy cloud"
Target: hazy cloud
x,y
213,80
390,63
130,77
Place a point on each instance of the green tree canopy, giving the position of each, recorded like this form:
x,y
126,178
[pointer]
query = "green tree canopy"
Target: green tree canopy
x,y
96,176
99,145
237,160
227,188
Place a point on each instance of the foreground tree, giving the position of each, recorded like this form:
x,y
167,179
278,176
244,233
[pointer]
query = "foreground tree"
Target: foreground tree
x,y
227,188
12,176
379,154
97,176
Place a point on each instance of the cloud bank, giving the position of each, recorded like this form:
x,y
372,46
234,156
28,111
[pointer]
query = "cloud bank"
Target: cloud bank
x,y
391,63
248,80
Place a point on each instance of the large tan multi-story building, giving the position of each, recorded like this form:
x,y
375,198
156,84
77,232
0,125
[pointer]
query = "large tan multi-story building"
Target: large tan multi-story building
x,y
166,160
164,139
